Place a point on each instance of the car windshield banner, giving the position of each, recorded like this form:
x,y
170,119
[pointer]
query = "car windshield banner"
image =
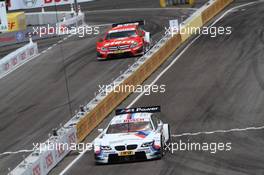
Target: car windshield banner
x,y
3,17
150,109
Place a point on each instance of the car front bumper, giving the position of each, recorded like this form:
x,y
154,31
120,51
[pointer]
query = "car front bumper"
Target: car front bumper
x,y
121,53
113,156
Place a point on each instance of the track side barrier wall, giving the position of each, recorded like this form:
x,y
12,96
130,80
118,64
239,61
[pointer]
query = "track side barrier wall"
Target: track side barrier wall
x,y
18,57
214,9
191,26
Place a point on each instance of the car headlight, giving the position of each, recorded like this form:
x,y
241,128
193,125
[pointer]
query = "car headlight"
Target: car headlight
x,y
135,44
147,144
105,148
103,49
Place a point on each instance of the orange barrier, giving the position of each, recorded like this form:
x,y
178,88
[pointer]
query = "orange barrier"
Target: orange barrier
x,y
191,27
214,9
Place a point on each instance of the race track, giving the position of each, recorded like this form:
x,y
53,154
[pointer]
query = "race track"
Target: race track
x,y
217,84
34,97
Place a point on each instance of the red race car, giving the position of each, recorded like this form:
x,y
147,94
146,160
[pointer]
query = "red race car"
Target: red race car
x,y
123,40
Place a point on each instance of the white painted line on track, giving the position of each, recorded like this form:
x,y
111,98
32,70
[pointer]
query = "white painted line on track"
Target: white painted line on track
x,y
161,74
16,152
219,131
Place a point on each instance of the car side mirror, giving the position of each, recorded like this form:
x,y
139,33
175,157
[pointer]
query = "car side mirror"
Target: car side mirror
x,y
100,130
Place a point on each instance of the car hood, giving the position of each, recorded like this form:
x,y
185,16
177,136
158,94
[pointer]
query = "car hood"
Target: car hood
x,y
126,138
120,42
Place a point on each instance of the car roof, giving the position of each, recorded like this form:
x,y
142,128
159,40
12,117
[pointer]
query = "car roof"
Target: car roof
x,y
145,116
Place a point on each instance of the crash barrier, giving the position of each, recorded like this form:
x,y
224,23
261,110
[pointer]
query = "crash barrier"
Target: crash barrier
x,y
214,8
48,154
16,21
191,25
103,104
44,18
18,57
68,21
168,3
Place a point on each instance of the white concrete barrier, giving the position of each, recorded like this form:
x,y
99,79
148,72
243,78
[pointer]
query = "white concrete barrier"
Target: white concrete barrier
x,y
17,58
44,18
48,154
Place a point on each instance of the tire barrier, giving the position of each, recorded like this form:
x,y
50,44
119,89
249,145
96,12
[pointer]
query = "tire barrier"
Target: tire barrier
x,y
92,114
17,58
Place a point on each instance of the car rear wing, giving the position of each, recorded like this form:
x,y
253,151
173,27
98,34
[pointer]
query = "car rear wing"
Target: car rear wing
x,y
139,22
150,109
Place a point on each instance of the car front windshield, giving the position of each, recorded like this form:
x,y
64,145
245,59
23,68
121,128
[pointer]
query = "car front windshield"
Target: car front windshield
x,y
129,127
121,34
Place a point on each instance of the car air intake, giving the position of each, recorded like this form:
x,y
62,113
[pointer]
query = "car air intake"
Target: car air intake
x,y
131,147
120,148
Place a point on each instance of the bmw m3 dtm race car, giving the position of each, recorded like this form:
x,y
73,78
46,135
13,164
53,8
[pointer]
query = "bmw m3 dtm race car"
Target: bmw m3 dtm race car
x,y
124,39
133,134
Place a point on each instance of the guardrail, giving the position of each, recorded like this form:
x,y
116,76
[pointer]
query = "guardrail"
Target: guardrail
x,y
17,58
103,104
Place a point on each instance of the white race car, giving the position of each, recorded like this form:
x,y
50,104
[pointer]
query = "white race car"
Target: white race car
x,y
133,134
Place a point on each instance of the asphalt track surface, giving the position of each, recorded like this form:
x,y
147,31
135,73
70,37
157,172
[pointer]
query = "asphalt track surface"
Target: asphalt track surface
x,y
218,83
34,98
